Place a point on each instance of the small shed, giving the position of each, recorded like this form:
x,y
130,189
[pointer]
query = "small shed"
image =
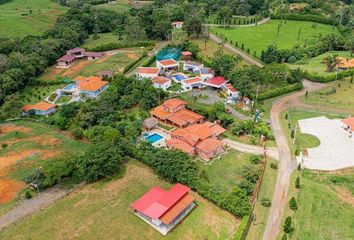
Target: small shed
x,y
186,55
150,123
105,74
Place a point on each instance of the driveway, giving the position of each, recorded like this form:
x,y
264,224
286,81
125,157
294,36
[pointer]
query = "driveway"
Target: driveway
x,y
336,150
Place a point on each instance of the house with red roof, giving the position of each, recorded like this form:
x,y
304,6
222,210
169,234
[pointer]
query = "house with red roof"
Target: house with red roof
x,y
193,67
206,73
173,112
66,61
93,55
92,86
349,123
76,52
186,55
161,82
231,91
147,72
216,82
42,108
167,65
192,83
164,209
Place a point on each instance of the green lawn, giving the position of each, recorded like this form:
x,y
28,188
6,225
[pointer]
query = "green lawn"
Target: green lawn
x,y
35,94
342,98
102,211
324,209
316,64
19,18
258,38
119,6
104,38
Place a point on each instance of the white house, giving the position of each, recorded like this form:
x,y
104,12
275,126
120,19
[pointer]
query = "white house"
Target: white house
x,y
161,82
42,108
193,67
167,65
206,73
93,55
147,72
191,83
177,25
66,61
231,92
216,82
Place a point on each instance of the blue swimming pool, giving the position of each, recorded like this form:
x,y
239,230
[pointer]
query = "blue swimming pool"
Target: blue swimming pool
x,y
179,77
70,87
154,138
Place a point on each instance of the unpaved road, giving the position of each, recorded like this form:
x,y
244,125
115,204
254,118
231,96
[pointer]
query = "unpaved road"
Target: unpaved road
x,y
286,164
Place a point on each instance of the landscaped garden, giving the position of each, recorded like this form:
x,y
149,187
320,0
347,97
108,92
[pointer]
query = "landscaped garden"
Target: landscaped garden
x,y
108,202
291,33
20,18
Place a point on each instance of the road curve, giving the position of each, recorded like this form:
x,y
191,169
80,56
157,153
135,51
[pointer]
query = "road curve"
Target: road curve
x,y
286,164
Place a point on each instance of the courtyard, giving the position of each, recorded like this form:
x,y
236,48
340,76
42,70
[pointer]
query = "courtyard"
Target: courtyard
x,y
336,150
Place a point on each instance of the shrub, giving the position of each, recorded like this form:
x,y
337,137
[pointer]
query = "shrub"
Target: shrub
x,y
247,186
284,237
304,17
28,195
274,165
77,132
293,204
251,174
288,228
254,159
292,133
279,91
115,45
4,145
292,59
266,202
297,183
240,232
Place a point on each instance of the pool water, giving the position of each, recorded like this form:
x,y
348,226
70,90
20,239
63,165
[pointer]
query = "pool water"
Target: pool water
x,y
179,77
154,138
70,87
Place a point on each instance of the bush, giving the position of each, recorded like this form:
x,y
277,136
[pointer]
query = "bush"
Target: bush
x,y
288,228
328,78
254,159
297,183
284,237
292,133
28,195
251,174
292,59
150,61
4,145
266,202
77,132
240,232
274,165
247,186
304,17
279,91
293,204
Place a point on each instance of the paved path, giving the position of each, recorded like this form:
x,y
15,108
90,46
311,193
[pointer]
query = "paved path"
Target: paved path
x,y
264,20
286,164
237,51
257,150
29,206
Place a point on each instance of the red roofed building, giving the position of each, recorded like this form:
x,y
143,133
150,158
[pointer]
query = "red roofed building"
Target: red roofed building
x,y
216,82
91,86
93,55
167,65
231,92
66,61
42,108
349,122
173,112
191,83
161,82
163,209
186,55
147,72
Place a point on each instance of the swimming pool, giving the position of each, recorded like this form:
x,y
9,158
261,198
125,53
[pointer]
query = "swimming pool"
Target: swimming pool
x,y
70,87
153,138
179,77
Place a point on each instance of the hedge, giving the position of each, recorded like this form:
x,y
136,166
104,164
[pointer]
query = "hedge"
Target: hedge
x,y
132,64
150,61
115,45
205,61
330,78
240,232
278,91
303,17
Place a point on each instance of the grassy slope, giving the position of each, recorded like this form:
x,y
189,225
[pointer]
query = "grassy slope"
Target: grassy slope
x,y
258,38
120,6
343,98
104,38
322,213
316,64
14,23
102,211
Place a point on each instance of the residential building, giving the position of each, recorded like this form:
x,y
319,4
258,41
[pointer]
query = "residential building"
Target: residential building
x,y
206,73
177,25
216,82
164,209
147,72
105,74
173,112
167,65
42,108
209,148
76,52
193,67
231,92
92,86
161,82
191,83
349,123
93,55
186,55
66,61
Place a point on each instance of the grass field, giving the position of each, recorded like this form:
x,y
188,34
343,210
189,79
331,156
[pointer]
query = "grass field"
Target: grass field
x,y
325,206
19,18
119,6
342,98
29,144
102,211
104,38
258,38
316,64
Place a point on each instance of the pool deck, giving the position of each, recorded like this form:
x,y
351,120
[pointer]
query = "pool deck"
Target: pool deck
x,y
166,136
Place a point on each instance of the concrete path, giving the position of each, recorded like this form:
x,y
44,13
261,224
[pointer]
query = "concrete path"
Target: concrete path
x,y
286,163
248,58
30,206
257,150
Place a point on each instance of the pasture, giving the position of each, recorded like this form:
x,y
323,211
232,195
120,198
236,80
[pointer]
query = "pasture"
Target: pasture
x,y
19,18
259,37
102,211
26,146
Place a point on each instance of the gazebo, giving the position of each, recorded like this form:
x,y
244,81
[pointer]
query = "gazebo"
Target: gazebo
x,y
150,123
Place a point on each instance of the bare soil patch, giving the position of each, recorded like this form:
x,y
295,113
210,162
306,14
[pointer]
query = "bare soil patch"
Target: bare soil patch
x,y
131,55
9,189
42,140
345,195
4,129
74,69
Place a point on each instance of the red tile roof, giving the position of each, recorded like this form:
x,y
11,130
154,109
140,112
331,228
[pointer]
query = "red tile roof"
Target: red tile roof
x,y
42,106
174,211
160,80
93,54
230,87
147,70
157,201
349,121
209,145
92,85
75,50
186,53
181,145
173,103
66,58
168,62
192,80
217,82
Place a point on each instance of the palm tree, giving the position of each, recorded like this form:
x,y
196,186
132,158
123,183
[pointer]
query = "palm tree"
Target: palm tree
x,y
331,62
349,45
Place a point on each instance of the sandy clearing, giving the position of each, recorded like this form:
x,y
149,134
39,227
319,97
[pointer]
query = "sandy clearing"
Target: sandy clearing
x,y
4,129
345,195
9,189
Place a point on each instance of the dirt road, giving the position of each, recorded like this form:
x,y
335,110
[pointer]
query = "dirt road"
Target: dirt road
x,y
286,164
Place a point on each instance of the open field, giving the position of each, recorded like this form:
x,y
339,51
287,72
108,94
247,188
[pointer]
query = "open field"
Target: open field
x,y
316,64
119,6
104,38
28,145
325,205
258,38
115,61
341,98
102,211
267,189
19,18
